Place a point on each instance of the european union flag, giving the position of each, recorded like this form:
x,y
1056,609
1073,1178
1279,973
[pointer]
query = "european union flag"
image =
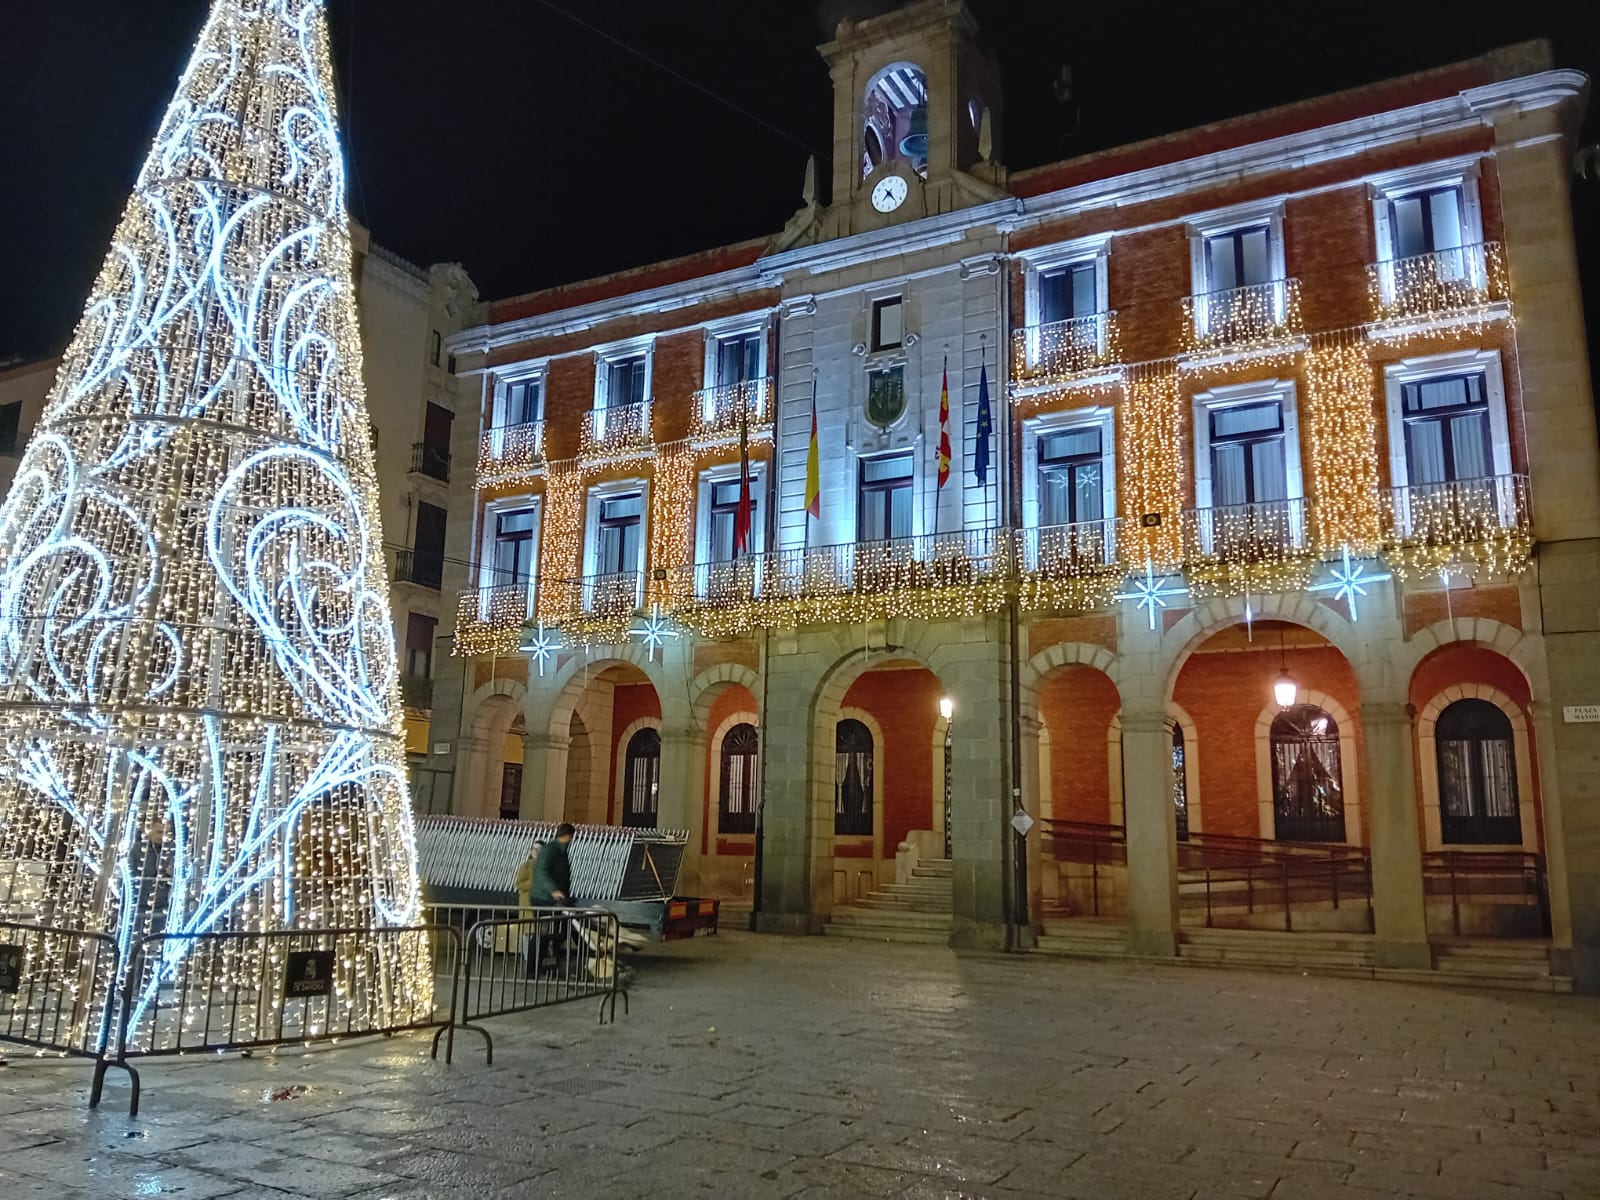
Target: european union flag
x,y
980,459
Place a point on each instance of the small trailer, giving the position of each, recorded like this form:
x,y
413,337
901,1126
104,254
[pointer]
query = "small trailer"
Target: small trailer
x,y
632,872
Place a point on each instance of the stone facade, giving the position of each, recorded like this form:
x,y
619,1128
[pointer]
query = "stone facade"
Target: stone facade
x,y
1109,662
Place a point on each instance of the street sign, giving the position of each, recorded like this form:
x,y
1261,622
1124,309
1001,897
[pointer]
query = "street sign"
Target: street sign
x,y
308,973
11,958
1021,822
1581,714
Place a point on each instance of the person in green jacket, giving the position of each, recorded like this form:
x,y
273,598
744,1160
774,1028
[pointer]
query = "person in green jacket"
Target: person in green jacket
x,y
552,871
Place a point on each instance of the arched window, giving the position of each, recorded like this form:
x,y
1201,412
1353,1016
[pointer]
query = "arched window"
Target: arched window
x,y
1477,775
852,780
1307,784
895,119
736,805
641,780
1180,782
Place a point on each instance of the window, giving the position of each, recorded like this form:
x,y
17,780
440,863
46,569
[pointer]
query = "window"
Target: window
x,y
1477,775
1071,487
511,791
738,359
724,515
852,781
514,551
884,511
895,119
888,324
1180,783
1307,784
736,804
1247,454
524,402
432,455
427,556
11,420
420,630
437,348
641,780
1067,293
619,542
626,380
1426,221
450,364
1447,429
1238,258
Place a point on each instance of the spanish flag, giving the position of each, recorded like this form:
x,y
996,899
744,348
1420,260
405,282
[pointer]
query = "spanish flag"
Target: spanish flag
x,y
813,467
944,426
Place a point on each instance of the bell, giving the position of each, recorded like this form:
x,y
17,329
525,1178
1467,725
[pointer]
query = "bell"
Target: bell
x,y
915,143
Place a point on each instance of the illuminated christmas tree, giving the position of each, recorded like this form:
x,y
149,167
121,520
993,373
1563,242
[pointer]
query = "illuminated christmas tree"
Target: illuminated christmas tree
x,y
200,727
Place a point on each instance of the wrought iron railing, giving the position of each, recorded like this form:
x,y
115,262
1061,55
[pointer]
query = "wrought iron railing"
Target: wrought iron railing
x,y
489,620
1259,315
1265,531
1459,513
425,569
1489,877
431,461
1225,880
1103,849
615,594
616,429
510,453
1443,282
1061,351
1084,547
719,411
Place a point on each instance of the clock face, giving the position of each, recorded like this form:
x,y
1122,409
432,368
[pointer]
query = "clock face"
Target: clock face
x,y
889,193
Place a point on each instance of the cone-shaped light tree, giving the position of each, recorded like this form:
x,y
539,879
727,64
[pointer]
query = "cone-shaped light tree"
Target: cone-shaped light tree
x,y
199,722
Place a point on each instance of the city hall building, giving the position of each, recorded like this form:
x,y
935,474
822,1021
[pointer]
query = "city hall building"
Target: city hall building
x,y
1256,615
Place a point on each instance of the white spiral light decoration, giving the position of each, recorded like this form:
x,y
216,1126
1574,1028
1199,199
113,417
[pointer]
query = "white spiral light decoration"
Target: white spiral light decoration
x,y
200,727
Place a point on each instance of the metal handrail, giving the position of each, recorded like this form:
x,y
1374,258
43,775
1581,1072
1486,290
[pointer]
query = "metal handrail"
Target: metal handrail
x,y
431,461
1065,349
1266,529
505,452
1438,282
1238,316
1457,512
1468,875
718,410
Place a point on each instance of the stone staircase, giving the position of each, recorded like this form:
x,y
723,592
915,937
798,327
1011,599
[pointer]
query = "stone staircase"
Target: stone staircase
x,y
917,910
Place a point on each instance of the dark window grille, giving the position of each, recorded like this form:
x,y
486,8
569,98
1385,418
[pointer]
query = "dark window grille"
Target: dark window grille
x,y
1180,783
641,782
511,792
1307,780
736,804
1477,775
852,784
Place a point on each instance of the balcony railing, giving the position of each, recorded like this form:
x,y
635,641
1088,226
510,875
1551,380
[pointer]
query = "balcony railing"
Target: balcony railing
x,y
616,430
489,620
1066,551
1463,279
719,411
424,570
510,453
416,691
612,596
1265,531
1461,513
1259,316
1063,351
430,461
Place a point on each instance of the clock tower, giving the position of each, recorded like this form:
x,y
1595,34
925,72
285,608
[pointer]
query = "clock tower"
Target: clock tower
x,y
916,122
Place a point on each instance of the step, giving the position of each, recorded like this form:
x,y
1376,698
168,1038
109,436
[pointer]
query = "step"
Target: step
x,y
905,906
1559,984
918,888
1277,939
853,915
1529,950
888,933
935,868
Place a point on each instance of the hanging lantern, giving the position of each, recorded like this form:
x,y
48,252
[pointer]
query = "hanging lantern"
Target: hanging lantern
x,y
1284,689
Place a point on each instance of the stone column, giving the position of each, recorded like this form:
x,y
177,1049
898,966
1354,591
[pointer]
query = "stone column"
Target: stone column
x,y
544,776
796,848
974,674
682,796
1399,915
1151,831
472,795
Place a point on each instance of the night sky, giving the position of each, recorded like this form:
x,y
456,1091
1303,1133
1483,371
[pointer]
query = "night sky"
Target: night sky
x,y
501,134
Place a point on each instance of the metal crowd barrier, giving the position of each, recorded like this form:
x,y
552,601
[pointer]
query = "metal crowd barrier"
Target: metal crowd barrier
x,y
517,960
57,988
286,987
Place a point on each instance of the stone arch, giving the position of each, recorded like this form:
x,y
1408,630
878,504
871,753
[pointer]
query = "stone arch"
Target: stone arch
x,y
1200,623
619,764
1349,764
567,687
1525,651
1066,654
489,713
706,686
1180,717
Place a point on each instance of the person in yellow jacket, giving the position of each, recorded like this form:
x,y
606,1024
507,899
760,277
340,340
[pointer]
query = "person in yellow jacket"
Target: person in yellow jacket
x,y
525,872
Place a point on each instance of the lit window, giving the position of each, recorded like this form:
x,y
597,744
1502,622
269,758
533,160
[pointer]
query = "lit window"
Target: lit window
x,y
1067,293
1447,429
1071,484
626,380
1426,221
1247,454
1307,779
620,527
514,556
852,782
736,804
738,359
1238,258
524,403
885,500
724,516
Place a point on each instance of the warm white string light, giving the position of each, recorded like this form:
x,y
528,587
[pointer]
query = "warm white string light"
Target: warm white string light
x,y
202,728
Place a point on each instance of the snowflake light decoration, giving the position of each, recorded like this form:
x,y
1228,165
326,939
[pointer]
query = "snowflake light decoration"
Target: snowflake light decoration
x,y
654,631
1348,580
542,647
1151,592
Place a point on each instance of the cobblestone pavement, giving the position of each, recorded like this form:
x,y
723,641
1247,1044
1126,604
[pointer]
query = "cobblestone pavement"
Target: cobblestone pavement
x,y
764,1067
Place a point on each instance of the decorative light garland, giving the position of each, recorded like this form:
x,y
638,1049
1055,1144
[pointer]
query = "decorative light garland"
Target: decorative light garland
x,y
1252,321
1153,455
1342,430
513,454
202,724
1465,288
1063,354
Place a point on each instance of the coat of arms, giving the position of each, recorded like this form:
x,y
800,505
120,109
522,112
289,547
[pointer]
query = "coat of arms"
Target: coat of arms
x,y
886,395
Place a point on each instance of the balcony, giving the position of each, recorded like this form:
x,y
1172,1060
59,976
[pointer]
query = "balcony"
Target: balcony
x,y
424,570
430,461
1069,567
719,412
618,433
1462,285
1234,548
612,597
923,577
1065,352
489,620
1244,322
510,454
1432,526
416,691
